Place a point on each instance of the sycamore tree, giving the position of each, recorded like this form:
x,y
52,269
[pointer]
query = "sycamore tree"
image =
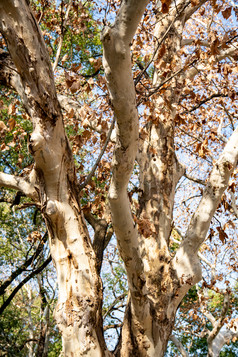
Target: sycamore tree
x,y
167,81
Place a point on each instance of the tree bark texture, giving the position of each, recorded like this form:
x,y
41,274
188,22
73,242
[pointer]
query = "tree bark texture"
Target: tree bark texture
x,y
157,280
78,312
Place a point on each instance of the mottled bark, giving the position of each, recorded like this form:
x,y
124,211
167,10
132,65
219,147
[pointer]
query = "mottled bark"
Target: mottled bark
x,y
157,280
78,311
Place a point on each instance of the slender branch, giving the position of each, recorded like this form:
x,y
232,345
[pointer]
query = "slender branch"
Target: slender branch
x,y
228,114
159,43
215,95
19,184
68,105
22,283
230,52
200,222
219,134
90,175
220,322
206,313
155,90
194,179
23,267
111,307
107,327
62,36
212,266
179,346
102,237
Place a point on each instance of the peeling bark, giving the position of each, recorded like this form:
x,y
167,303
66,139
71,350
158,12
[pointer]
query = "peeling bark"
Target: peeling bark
x,y
78,312
157,281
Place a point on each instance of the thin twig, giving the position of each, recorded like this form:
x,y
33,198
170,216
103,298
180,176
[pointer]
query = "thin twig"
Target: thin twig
x,y
62,36
90,175
23,282
159,44
215,95
194,179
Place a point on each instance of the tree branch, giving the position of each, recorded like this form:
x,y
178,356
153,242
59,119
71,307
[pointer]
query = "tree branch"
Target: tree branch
x,y
117,64
34,67
192,9
23,267
230,52
194,179
19,184
90,175
206,313
23,282
179,346
200,222
111,307
62,36
101,237
220,322
214,95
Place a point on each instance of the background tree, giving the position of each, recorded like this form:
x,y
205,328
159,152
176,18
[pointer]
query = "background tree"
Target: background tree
x,y
169,83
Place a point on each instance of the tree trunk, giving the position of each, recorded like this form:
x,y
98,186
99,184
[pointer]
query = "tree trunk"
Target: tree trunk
x,y
147,336
157,279
78,311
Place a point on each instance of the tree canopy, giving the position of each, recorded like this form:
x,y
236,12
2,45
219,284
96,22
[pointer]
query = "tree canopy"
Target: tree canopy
x,y
118,176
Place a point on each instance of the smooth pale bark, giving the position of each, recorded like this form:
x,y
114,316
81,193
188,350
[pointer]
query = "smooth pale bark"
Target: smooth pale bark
x,y
78,312
179,346
149,318
223,337
117,65
18,183
220,334
157,283
185,262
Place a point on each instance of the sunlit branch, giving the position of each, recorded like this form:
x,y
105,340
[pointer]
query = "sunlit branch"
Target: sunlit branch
x,y
18,183
179,346
107,327
220,322
212,193
192,9
230,52
206,261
